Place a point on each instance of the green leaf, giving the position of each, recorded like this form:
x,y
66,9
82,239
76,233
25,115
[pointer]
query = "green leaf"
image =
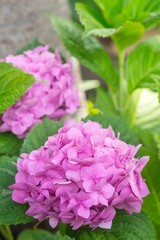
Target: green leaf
x,y
72,4
13,84
9,144
10,212
39,135
104,102
128,34
89,51
125,227
93,22
110,9
25,235
153,7
89,17
102,32
118,12
143,65
7,171
151,205
123,36
39,234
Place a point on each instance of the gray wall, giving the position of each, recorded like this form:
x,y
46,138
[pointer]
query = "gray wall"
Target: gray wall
x,y
22,20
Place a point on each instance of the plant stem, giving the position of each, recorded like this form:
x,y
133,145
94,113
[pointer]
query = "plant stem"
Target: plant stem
x,y
62,229
6,232
122,82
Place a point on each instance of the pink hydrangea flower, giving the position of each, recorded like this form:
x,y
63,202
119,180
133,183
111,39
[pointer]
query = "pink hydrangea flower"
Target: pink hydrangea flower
x,y
53,97
80,177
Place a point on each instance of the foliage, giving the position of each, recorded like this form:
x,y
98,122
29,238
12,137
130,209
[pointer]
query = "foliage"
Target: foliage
x,y
39,234
39,134
101,63
11,212
13,84
125,227
9,144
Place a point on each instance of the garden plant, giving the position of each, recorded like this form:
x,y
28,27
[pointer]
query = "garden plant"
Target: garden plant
x,y
96,178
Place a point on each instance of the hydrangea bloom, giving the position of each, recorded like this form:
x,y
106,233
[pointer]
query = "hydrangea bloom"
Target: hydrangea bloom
x,y
54,97
80,177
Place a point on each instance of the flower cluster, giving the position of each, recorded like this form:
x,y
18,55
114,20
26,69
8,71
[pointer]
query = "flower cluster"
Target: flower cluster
x,y
80,177
53,97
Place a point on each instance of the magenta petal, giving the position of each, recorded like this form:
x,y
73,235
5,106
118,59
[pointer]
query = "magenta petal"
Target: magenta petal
x,y
108,190
105,225
83,212
53,222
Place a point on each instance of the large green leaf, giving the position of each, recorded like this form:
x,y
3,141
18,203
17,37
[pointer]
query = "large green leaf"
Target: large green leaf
x,y
110,9
89,51
9,144
129,33
10,212
151,203
104,101
89,17
117,12
123,36
39,234
13,84
143,65
39,135
7,171
125,227
92,22
153,7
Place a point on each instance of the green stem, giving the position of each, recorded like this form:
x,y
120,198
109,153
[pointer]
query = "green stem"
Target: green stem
x,y
62,229
122,82
6,232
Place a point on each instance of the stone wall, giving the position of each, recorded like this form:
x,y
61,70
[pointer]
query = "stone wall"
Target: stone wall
x,y
22,20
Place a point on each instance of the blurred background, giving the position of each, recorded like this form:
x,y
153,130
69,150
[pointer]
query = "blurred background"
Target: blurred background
x,y
22,21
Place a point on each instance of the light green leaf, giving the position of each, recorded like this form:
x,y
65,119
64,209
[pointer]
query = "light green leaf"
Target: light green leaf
x,y
143,65
104,102
118,12
39,234
110,9
39,135
123,36
128,34
89,51
93,23
153,8
9,144
10,212
102,32
13,84
7,171
125,227
89,17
